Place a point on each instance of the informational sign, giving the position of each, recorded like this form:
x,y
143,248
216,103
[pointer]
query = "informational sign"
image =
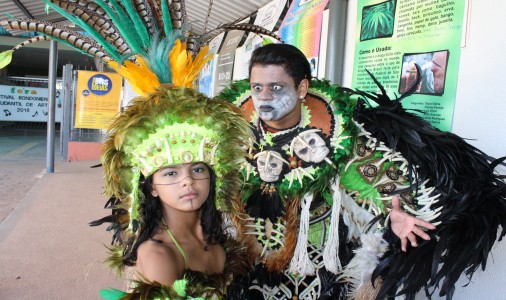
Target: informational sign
x,y
225,64
206,76
97,99
302,28
267,17
27,104
393,36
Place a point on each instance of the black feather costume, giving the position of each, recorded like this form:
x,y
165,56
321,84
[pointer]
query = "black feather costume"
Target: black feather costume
x,y
472,199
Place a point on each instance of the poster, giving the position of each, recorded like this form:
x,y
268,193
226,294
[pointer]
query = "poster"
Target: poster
x,y
393,36
206,76
97,99
27,104
225,63
302,28
267,17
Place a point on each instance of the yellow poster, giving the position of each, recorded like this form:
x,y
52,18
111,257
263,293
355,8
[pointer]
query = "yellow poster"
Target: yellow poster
x,y
97,99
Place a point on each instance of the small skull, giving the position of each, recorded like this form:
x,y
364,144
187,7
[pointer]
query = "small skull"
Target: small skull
x,y
310,147
270,165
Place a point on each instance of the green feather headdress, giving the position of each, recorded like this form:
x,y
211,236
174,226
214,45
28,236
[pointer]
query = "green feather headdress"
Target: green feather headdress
x,y
173,126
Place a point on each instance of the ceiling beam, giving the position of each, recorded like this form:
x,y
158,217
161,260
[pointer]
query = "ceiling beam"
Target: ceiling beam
x,y
23,9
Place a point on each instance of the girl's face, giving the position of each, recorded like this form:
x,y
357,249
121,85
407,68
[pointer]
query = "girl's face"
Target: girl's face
x,y
183,187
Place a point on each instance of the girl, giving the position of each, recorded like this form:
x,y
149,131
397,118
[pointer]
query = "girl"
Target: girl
x,y
171,162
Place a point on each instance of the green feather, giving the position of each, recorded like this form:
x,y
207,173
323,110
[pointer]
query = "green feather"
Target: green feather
x,y
111,50
112,294
140,28
159,57
179,287
167,21
124,26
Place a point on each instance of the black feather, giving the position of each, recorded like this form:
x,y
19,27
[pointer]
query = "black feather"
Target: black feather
x,y
473,198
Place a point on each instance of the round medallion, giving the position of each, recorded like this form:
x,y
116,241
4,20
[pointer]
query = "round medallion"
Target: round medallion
x,y
157,161
187,157
370,171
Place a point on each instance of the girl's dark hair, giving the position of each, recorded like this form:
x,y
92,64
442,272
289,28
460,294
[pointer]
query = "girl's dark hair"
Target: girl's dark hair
x,y
151,210
290,57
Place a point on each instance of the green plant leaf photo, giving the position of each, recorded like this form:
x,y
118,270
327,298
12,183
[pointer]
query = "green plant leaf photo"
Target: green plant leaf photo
x,y
378,20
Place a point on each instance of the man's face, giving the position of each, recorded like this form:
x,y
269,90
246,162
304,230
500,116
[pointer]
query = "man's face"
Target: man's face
x,y
439,71
273,91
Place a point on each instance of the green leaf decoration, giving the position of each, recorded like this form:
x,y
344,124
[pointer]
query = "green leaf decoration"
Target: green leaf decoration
x,y
179,287
5,58
112,294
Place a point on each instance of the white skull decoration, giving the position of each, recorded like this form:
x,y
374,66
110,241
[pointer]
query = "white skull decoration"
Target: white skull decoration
x,y
270,165
310,147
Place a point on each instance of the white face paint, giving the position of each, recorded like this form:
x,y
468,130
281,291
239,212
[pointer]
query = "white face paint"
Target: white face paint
x,y
273,91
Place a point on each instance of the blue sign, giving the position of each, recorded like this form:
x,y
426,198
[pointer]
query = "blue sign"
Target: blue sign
x,y
85,92
100,84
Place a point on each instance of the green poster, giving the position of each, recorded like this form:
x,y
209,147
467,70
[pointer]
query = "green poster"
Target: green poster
x,y
392,36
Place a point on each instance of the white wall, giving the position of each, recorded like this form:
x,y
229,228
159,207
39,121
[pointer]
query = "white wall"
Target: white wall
x,y
480,114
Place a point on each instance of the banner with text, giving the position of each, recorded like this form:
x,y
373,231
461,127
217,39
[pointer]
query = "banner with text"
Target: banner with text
x,y
267,17
206,76
27,104
302,27
393,36
225,63
97,99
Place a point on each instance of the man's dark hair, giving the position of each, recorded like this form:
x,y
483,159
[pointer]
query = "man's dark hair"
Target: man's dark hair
x,y
290,57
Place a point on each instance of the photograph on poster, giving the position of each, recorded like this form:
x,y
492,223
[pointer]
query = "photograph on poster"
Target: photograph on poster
x,y
433,68
378,20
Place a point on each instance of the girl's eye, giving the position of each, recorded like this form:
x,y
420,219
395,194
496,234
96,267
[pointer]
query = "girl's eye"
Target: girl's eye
x,y
198,170
170,173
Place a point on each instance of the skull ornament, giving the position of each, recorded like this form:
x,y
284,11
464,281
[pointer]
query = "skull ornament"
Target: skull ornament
x,y
310,147
270,165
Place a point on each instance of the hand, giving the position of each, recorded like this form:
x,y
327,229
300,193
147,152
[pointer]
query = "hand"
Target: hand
x,y
407,227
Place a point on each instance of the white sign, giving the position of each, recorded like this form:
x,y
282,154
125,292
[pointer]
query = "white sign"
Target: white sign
x,y
29,104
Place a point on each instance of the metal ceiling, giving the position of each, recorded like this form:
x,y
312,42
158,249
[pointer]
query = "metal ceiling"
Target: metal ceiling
x,y
222,11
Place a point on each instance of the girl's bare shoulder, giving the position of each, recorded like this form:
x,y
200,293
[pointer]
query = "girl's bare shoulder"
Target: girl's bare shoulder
x,y
157,261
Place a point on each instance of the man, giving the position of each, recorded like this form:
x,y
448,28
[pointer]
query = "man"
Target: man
x,y
319,186
439,70
299,223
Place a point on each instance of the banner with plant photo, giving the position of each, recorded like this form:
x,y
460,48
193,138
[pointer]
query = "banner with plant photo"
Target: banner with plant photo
x,y
392,36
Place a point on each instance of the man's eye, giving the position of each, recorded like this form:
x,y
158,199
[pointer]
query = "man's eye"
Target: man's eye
x,y
276,87
257,88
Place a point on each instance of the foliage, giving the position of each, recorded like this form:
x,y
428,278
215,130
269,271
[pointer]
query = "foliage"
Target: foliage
x,y
378,20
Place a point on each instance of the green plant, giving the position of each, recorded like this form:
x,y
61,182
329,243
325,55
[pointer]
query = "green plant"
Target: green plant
x,y
378,20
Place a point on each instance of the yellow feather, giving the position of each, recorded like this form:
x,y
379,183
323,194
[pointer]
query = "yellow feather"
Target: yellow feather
x,y
184,68
142,79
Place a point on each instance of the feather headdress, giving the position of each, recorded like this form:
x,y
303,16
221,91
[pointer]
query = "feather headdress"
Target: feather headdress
x,y
169,124
135,38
